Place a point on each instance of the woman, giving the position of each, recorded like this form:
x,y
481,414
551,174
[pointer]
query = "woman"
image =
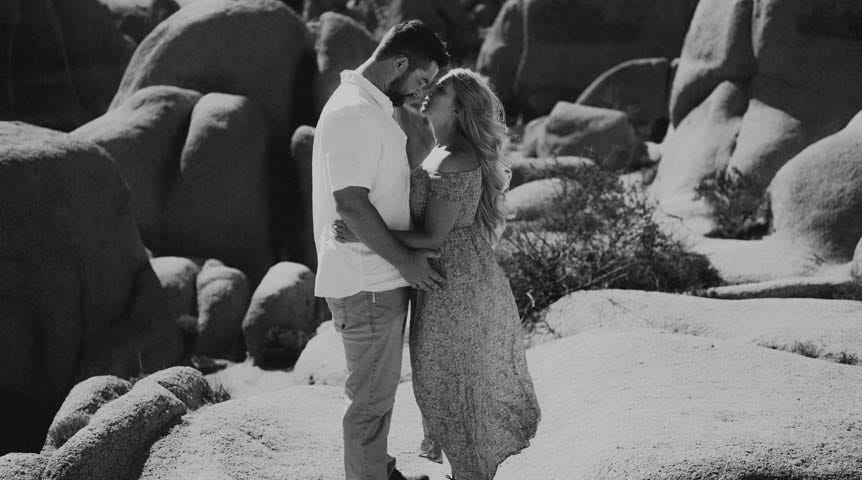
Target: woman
x,y
469,368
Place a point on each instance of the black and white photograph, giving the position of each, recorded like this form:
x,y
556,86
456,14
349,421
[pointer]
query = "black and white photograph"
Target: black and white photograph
x,y
431,239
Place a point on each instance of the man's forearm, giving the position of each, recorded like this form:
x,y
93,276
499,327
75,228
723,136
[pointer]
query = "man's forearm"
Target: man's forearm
x,y
369,228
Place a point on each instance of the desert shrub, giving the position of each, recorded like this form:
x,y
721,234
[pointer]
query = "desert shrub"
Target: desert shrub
x,y
601,234
844,358
218,393
806,349
740,205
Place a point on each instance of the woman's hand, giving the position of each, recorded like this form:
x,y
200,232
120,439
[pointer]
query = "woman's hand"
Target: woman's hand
x,y
343,233
420,134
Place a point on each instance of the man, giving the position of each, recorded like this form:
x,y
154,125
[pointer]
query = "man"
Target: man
x,y
361,175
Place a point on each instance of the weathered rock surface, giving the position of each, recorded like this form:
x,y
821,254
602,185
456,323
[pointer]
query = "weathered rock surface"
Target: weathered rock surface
x,y
598,133
817,196
322,362
526,169
64,61
76,279
223,297
757,83
561,47
642,405
137,18
341,44
291,433
219,204
301,146
185,383
605,397
115,442
283,307
530,200
501,53
144,136
178,277
252,49
80,404
258,49
641,89
830,326
22,466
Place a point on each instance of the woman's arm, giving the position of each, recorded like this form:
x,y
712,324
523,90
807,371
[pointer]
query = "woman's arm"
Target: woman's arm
x,y
420,134
440,216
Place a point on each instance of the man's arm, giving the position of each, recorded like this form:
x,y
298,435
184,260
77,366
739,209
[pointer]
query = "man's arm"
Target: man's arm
x,y
354,207
440,217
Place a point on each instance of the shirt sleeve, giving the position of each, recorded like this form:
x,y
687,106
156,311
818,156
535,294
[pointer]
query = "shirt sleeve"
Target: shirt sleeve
x,y
453,187
351,151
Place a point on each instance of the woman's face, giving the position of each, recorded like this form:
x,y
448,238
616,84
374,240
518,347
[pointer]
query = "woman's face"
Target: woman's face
x,y
439,102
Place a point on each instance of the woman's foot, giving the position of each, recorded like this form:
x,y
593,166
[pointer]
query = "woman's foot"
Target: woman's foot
x,y
431,450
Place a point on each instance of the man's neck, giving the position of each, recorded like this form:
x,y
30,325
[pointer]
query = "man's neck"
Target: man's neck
x,y
373,72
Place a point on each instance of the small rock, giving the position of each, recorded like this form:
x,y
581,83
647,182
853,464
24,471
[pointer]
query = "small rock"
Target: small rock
x,y
284,302
223,297
178,276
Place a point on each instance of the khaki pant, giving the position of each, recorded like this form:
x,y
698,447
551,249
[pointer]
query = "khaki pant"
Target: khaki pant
x,y
372,329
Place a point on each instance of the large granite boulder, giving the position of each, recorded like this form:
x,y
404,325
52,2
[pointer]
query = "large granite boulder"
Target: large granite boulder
x,y
446,17
137,18
223,295
639,405
501,52
83,401
565,45
602,134
283,308
301,149
817,196
646,405
64,61
536,198
219,204
22,466
115,442
178,277
758,82
640,88
291,433
144,136
258,49
341,44
243,47
197,169
77,294
828,327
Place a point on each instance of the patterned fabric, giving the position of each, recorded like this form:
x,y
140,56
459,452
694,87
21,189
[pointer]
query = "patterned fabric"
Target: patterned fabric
x,y
469,367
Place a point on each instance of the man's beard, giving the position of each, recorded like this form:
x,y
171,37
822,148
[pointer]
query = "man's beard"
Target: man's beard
x,y
395,90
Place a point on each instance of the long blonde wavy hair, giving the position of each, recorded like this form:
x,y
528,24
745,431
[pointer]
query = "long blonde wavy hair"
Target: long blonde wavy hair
x,y
482,120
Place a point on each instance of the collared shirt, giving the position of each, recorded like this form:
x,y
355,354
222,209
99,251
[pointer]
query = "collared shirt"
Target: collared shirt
x,y
357,142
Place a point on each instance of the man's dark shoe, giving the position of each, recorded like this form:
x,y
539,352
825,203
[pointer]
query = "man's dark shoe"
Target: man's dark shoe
x,y
396,475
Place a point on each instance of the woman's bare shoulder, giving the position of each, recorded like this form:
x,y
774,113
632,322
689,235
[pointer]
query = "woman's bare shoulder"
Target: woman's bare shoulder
x,y
457,161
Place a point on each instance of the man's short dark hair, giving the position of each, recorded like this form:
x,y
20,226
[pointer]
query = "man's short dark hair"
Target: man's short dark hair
x,y
415,41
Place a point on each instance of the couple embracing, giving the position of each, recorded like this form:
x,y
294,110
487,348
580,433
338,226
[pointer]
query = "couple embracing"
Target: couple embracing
x,y
388,224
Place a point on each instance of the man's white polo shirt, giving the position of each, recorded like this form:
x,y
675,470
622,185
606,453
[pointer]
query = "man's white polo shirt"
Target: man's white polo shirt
x,y
358,143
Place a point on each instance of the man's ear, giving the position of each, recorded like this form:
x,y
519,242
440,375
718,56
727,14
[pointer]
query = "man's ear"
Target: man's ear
x,y
401,64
